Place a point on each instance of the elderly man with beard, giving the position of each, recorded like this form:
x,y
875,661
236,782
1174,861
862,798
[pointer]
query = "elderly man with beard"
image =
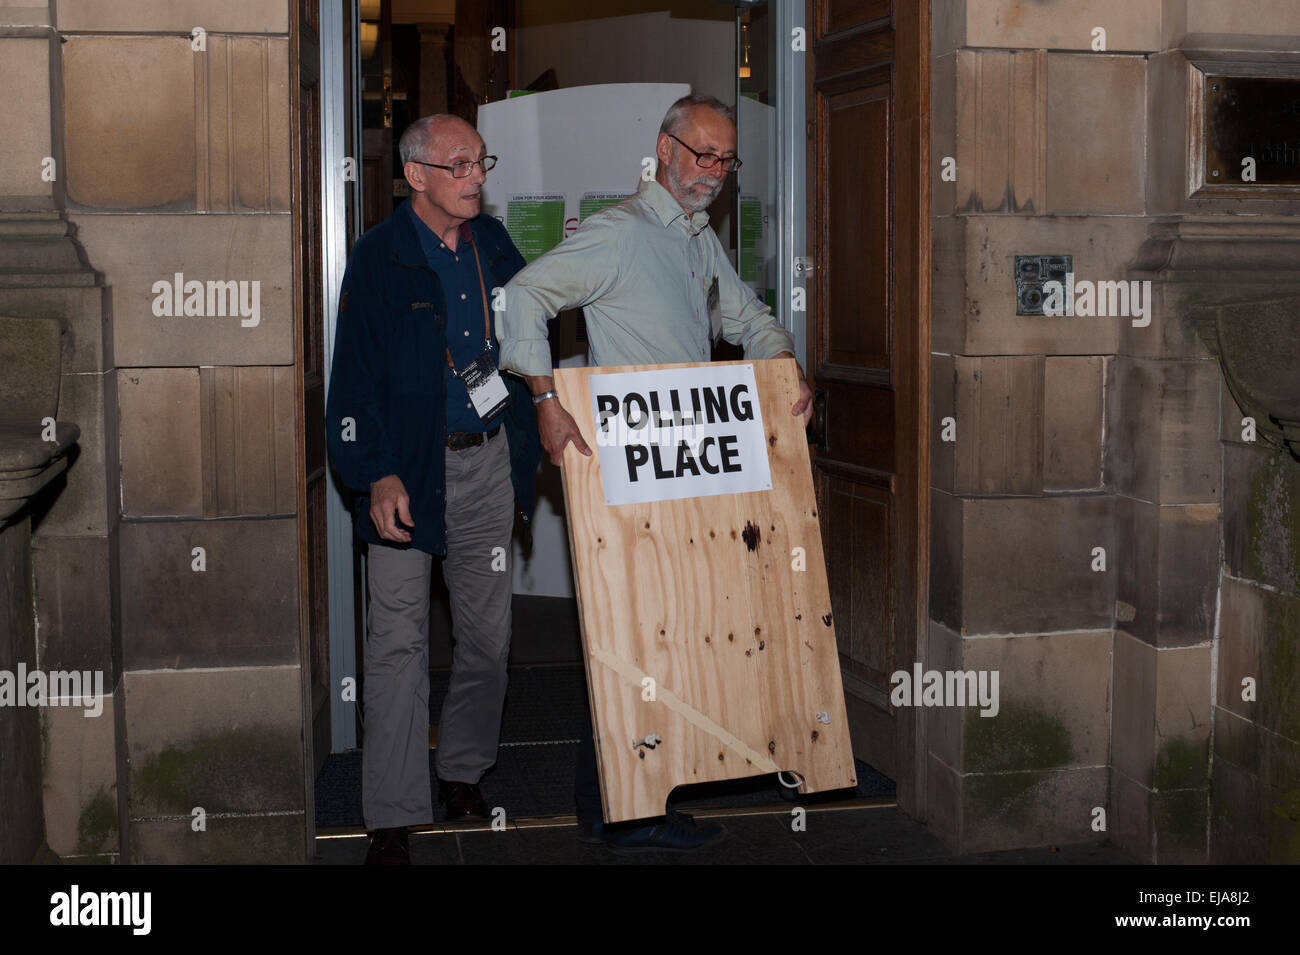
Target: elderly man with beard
x,y
656,287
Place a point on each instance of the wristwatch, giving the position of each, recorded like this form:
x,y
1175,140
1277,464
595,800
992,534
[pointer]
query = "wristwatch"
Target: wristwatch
x,y
538,399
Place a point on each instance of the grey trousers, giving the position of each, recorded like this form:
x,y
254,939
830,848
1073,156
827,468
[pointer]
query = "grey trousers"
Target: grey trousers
x,y
395,756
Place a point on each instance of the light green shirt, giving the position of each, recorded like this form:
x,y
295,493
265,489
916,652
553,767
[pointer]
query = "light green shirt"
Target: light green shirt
x,y
642,272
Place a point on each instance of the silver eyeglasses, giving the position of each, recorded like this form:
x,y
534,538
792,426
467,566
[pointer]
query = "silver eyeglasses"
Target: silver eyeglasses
x,y
461,170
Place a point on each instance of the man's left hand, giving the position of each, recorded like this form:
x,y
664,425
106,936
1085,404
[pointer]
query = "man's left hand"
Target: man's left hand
x,y
804,405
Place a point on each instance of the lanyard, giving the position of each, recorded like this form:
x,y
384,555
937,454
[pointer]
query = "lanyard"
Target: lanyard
x,y
487,323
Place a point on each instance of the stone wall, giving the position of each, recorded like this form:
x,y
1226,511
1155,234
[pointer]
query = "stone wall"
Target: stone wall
x,y
1089,437
168,558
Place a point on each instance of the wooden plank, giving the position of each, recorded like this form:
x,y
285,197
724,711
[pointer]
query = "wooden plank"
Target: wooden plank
x,y
701,596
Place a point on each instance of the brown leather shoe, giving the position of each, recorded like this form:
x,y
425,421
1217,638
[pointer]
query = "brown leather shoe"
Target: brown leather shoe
x,y
462,800
389,847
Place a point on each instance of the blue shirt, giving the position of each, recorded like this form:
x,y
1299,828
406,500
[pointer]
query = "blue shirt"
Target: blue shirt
x,y
464,314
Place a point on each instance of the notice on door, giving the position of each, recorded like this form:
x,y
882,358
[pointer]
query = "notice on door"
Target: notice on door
x,y
678,433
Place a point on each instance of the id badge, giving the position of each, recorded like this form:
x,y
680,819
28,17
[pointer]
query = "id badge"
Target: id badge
x,y
486,389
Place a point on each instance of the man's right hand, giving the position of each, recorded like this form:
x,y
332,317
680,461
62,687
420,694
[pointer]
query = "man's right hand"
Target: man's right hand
x,y
387,495
557,428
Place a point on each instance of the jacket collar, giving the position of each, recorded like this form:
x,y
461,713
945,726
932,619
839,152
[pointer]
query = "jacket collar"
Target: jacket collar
x,y
666,208
406,240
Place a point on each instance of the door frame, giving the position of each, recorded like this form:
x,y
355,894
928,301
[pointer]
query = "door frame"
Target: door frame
x,y
910,79
335,150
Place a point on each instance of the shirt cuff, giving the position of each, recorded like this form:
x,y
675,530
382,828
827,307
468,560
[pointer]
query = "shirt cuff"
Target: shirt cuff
x,y
769,343
529,358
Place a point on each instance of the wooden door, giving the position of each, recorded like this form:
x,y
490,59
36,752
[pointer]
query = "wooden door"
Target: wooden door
x,y
313,599
868,207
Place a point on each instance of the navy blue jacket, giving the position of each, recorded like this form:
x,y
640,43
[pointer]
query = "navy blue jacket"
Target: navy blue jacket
x,y
389,352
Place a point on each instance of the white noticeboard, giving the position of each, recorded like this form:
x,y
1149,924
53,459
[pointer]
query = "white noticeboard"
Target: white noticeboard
x,y
686,432
585,144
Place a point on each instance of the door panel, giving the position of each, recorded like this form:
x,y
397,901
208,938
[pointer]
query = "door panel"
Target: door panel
x,y
869,336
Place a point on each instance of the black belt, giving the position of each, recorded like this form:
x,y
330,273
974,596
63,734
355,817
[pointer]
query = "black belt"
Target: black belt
x,y
462,440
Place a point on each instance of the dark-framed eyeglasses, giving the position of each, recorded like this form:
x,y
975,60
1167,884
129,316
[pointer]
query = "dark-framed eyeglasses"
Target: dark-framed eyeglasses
x,y
461,170
709,160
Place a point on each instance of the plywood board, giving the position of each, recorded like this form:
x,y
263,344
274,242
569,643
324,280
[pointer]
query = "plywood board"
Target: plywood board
x,y
702,596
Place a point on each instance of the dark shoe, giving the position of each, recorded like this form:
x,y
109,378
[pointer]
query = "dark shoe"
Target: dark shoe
x,y
389,847
462,800
678,832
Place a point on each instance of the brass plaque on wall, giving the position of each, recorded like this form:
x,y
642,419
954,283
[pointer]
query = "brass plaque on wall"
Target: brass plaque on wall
x,y
1252,131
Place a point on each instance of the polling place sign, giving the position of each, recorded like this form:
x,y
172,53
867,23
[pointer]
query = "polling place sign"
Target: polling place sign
x,y
677,433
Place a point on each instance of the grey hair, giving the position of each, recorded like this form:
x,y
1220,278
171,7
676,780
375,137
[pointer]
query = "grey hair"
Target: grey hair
x,y
676,115
415,141
419,139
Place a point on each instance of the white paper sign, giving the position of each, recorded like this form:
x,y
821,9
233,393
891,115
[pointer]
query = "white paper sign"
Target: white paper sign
x,y
681,432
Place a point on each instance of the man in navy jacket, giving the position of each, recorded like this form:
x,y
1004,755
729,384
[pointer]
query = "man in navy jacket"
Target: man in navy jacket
x,y
438,466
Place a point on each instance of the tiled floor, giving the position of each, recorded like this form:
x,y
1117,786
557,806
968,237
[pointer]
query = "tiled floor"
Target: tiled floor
x,y
860,834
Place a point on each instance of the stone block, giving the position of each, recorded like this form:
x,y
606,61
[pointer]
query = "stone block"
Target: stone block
x,y
946,563
1053,706
1095,118
79,312
76,504
1019,810
943,801
1281,17
1261,515
1237,741
126,150
161,440
137,251
974,282
73,604
1166,160
1172,330
1021,565
1062,24
1279,658
81,781
29,373
999,413
146,16
227,740
1133,730
1237,829
943,131
1232,426
249,465
25,123
992,124
1180,820
943,404
1162,431
228,840
1073,405
1129,818
242,610
943,723
1167,570
212,136
1182,719
1241,624
1279,790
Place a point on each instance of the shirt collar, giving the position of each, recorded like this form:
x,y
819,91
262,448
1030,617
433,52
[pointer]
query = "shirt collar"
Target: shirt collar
x,y
431,240
668,209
